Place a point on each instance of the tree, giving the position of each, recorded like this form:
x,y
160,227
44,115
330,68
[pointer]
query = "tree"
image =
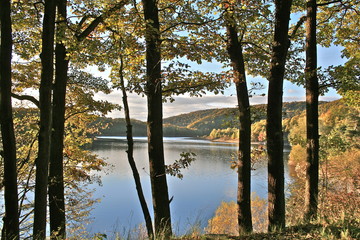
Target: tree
x,y
247,42
161,202
338,29
274,135
234,50
159,83
27,77
80,165
312,115
56,186
11,219
56,167
130,155
42,161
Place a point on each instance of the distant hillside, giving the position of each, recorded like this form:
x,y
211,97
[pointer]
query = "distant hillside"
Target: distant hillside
x,y
199,123
117,127
202,122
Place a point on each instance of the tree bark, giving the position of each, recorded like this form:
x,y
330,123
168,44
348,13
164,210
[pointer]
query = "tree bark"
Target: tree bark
x,y
130,151
234,50
42,161
56,169
312,122
275,144
159,186
11,218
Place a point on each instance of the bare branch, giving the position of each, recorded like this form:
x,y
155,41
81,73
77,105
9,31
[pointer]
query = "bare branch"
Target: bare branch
x,y
82,21
90,28
182,90
328,3
297,26
26,97
189,23
257,46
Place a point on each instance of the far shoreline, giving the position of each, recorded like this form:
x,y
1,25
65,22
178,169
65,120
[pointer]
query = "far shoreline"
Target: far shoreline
x,y
220,140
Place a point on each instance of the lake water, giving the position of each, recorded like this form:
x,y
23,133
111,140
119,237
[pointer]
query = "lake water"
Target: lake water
x,y
208,181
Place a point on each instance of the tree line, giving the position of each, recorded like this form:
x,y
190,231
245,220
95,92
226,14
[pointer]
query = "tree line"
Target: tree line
x,y
148,45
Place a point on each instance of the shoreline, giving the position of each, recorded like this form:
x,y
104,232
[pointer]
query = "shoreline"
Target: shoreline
x,y
123,138
231,140
222,140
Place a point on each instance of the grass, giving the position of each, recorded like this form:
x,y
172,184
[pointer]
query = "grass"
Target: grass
x,y
305,231
313,230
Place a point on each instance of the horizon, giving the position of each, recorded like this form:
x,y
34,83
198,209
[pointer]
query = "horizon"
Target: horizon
x,y
206,101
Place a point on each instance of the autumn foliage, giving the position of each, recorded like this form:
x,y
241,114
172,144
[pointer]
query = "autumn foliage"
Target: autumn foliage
x,y
225,219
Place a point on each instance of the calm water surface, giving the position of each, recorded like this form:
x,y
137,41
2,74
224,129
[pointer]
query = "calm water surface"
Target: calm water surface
x,y
207,183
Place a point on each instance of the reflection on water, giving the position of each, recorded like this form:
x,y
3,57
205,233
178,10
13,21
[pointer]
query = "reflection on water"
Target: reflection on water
x,y
207,182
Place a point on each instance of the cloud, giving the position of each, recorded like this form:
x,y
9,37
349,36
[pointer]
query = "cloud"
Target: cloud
x,y
290,91
137,104
182,104
329,98
185,103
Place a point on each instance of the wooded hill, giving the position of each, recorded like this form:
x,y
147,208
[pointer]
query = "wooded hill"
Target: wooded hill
x,y
198,123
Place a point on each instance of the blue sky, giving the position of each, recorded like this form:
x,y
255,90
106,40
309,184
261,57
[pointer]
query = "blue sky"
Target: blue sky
x,y
186,104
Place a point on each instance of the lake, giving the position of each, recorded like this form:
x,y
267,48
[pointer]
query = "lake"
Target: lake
x,y
208,181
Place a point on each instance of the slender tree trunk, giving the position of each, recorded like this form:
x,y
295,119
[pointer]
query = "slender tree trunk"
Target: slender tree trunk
x,y
234,50
42,161
11,218
56,169
275,144
159,186
312,124
131,160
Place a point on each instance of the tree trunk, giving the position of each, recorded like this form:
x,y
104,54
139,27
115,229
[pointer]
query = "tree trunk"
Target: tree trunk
x,y
234,50
159,186
312,124
42,161
275,144
131,160
56,170
11,218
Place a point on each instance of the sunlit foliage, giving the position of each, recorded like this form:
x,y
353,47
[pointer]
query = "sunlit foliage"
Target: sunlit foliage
x,y
225,219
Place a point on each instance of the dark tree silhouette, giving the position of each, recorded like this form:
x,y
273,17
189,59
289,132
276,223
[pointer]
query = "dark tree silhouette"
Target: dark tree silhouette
x,y
159,186
274,135
234,50
130,155
42,161
11,219
56,169
312,122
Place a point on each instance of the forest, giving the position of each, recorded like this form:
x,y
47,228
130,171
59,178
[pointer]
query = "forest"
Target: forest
x,y
50,115
197,123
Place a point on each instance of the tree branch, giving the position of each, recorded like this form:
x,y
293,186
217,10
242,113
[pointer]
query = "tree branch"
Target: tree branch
x,y
328,3
297,26
82,21
257,46
26,97
182,90
90,28
189,23
99,19
75,113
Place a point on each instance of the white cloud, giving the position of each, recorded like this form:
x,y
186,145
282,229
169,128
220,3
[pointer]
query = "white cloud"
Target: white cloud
x,y
186,104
